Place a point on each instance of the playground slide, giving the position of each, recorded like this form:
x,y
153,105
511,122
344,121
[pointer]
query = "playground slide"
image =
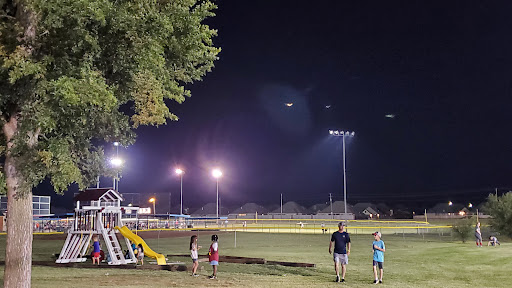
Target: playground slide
x,y
160,259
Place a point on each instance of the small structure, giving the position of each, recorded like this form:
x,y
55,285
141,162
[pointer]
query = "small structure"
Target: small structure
x,y
97,212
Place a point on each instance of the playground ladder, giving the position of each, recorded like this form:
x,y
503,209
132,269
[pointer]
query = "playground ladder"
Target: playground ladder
x,y
114,249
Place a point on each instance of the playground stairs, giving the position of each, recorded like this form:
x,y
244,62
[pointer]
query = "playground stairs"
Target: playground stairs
x,y
75,248
116,257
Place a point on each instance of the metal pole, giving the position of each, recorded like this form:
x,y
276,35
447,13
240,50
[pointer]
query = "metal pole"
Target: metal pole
x,y
281,203
181,196
330,200
98,182
344,177
217,200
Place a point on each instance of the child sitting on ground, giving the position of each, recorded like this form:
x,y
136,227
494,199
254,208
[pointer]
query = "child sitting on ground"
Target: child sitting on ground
x,y
493,241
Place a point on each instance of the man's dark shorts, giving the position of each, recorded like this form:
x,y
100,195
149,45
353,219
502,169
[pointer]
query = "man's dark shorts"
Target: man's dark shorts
x,y
380,264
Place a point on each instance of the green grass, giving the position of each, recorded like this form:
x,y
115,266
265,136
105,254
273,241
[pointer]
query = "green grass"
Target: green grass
x,y
411,261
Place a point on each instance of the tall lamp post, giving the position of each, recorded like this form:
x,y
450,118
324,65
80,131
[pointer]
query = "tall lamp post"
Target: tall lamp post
x,y
153,200
343,134
116,162
116,179
216,173
181,172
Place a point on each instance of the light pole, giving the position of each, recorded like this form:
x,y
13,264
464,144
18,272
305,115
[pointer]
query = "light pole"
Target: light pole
x,y
116,144
181,172
216,173
153,200
116,162
343,134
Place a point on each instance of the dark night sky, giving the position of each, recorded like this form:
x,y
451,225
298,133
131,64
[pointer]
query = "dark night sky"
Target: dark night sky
x,y
444,68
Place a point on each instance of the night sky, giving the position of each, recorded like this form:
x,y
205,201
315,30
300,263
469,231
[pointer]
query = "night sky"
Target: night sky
x,y
443,68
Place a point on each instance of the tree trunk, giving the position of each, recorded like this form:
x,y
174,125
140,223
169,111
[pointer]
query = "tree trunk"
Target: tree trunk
x,y
18,252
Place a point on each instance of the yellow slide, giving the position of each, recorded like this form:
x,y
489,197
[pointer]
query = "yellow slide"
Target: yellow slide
x,y
160,259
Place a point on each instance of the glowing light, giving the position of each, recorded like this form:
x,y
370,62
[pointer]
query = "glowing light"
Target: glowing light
x,y
470,205
331,132
179,171
462,213
390,116
289,104
116,143
353,133
450,203
216,173
152,199
116,162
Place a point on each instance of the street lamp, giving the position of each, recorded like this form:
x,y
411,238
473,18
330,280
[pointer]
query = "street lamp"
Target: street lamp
x,y
181,172
343,134
153,200
450,203
216,173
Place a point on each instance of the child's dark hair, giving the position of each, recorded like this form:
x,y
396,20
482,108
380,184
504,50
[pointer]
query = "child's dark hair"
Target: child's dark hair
x,y
192,239
141,249
215,237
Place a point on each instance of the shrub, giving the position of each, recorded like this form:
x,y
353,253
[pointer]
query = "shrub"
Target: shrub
x,y
463,229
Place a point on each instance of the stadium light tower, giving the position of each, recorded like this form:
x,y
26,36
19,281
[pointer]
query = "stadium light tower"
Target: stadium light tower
x,y
343,134
216,173
181,172
153,200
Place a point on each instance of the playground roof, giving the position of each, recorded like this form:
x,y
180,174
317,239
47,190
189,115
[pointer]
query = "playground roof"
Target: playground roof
x,y
96,194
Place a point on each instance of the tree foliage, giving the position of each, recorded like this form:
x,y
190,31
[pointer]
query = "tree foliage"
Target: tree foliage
x,y
500,209
92,71
463,228
76,74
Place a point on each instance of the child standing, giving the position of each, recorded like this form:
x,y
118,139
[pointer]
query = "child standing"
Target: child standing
x,y
193,254
140,254
96,251
214,255
478,235
378,256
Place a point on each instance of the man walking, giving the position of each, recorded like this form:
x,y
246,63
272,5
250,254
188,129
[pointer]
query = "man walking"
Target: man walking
x,y
341,241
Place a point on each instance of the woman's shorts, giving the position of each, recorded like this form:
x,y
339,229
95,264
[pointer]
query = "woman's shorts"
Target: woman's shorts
x,y
194,260
96,255
214,262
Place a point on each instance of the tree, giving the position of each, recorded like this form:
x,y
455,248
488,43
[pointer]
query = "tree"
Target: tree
x,y
500,210
463,229
76,74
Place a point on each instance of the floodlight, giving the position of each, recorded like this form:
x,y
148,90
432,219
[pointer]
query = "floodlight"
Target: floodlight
x,y
116,161
216,173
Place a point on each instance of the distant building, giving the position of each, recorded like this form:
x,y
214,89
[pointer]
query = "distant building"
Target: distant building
x,y
40,205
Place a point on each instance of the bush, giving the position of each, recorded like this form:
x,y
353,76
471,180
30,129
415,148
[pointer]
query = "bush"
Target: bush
x,y
463,229
500,209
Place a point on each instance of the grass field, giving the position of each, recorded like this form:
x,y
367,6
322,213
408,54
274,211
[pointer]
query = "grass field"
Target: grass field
x,y
410,261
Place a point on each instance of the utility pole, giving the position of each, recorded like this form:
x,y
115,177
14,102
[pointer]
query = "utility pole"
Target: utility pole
x,y
170,202
330,200
281,203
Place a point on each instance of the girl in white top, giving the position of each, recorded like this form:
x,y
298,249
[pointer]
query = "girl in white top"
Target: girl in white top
x,y
193,254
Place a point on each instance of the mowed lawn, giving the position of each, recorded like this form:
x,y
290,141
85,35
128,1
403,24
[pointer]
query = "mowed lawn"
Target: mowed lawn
x,y
410,261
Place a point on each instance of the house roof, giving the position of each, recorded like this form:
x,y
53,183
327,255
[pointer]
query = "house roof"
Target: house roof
x,y
249,208
96,194
337,207
291,207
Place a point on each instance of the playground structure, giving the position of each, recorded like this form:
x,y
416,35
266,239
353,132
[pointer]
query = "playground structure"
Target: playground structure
x,y
101,215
